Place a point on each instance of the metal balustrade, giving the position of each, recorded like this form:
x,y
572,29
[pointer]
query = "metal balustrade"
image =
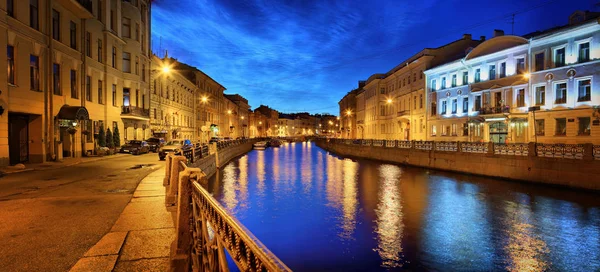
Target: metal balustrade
x,y
446,146
517,149
423,145
404,144
565,151
204,228
474,147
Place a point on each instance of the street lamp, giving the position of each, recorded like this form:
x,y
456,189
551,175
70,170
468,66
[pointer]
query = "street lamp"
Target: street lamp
x,y
389,101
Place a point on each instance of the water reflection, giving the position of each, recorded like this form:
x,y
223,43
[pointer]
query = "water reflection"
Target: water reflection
x,y
350,202
389,226
525,249
320,212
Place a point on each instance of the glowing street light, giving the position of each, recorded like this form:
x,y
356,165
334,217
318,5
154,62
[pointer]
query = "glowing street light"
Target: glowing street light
x,y
527,75
228,111
204,99
242,117
389,101
166,69
348,112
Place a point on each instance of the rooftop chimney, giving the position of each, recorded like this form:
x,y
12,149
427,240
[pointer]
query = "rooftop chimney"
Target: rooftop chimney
x,y
466,36
482,38
498,33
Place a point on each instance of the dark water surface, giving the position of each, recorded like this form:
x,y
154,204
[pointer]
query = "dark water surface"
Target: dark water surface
x,y
317,212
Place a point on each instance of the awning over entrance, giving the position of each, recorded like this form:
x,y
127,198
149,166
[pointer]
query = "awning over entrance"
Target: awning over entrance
x,y
73,113
518,119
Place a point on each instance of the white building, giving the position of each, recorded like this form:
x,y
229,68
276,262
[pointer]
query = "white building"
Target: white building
x,y
565,81
481,97
494,92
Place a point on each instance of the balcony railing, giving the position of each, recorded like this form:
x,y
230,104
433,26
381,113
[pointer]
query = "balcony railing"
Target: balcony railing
x,y
403,112
135,111
494,110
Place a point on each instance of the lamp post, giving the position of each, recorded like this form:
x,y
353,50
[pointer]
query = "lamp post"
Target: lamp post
x,y
203,101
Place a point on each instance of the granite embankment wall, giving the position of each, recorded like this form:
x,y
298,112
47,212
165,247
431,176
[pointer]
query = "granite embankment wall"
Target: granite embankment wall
x,y
583,173
209,164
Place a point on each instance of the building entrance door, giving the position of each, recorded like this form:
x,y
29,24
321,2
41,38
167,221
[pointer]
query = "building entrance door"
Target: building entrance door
x,y
18,139
498,132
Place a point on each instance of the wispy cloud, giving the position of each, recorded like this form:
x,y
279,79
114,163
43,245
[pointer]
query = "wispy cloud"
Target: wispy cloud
x,y
299,55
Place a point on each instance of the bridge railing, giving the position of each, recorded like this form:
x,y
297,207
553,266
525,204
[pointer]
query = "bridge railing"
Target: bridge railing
x,y
204,229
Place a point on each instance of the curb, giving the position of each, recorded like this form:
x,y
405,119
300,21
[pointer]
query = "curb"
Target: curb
x,y
64,165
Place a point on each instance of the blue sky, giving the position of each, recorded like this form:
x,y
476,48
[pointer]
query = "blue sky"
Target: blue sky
x,y
305,55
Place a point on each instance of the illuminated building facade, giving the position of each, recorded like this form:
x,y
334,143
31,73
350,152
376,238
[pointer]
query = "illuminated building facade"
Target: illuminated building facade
x,y
73,68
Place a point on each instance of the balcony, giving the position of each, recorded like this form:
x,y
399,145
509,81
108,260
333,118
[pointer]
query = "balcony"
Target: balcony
x,y
133,112
494,110
81,8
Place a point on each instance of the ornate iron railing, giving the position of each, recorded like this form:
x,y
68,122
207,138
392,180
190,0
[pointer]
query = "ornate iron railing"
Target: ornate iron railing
x,y
423,145
214,230
566,151
390,143
517,149
135,111
404,144
204,229
446,146
474,147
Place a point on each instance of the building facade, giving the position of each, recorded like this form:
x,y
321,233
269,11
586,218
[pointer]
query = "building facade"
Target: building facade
x,y
482,97
74,67
537,88
239,118
393,105
565,82
173,101
347,114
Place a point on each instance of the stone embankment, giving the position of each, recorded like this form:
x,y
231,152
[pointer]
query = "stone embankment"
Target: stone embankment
x,y
570,166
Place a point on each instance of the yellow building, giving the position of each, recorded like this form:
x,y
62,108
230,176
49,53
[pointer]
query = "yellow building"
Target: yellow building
x,y
173,101
73,67
393,105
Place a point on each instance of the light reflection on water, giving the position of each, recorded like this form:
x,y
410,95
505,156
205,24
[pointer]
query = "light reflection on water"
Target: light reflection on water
x,y
316,211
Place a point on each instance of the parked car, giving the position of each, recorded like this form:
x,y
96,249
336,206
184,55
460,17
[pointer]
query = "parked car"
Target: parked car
x,y
155,143
172,147
215,140
135,147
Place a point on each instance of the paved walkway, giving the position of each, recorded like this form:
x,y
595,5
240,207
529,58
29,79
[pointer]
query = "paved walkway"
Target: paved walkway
x,y
141,238
56,164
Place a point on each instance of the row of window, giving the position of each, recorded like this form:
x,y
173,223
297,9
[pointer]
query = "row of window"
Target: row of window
x,y
34,73
451,130
583,126
161,115
584,92
401,83
173,94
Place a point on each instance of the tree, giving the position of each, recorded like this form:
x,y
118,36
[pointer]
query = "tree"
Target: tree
x,y
117,137
101,137
109,139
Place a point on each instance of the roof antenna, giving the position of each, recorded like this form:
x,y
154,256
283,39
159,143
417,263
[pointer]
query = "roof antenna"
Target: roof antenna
x,y
513,24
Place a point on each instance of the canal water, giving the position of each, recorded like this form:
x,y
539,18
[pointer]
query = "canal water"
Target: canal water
x,y
318,212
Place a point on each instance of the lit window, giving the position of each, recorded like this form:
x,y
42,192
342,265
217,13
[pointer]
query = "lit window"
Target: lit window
x,y
561,126
540,95
584,88
584,126
584,52
559,57
561,93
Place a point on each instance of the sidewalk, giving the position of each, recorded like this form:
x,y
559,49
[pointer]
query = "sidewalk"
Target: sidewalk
x,y
141,238
56,164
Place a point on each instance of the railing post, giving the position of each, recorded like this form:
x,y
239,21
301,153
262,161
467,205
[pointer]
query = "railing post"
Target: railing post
x,y
181,247
588,152
171,198
490,150
532,149
168,164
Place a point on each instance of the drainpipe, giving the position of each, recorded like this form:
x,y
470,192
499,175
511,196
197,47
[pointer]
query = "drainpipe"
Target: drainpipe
x,y
49,96
529,92
83,73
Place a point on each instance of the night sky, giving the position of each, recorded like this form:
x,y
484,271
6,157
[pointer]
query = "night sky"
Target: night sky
x,y
306,55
